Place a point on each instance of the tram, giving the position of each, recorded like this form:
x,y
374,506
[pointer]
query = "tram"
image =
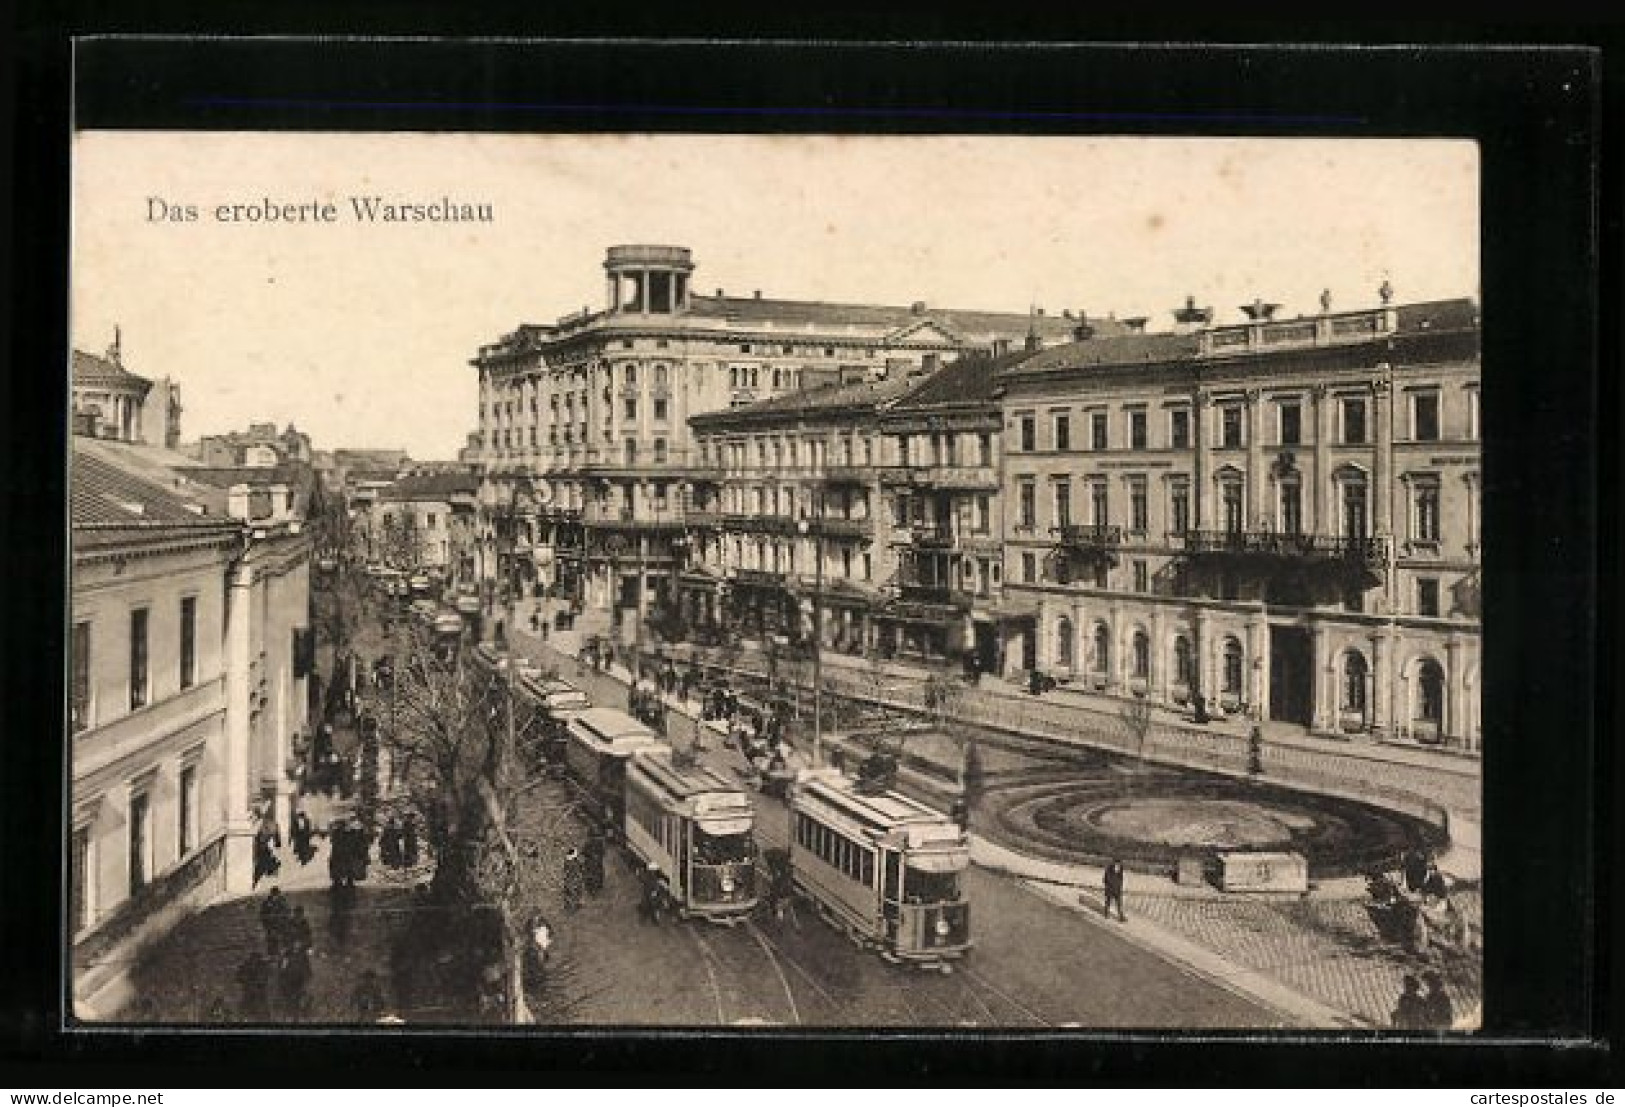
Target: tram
x,y
884,868
558,702
694,826
598,744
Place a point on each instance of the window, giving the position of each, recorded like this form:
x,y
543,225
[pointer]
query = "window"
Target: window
x,y
1063,502
1352,698
138,658
984,514
631,409
1232,667
1179,429
631,451
1354,421
1230,502
1102,650
1099,505
80,906
1026,501
1097,430
1291,521
1063,432
661,406
187,799
1427,597
1291,417
1425,416
1142,577
1425,517
81,677
744,347
1184,668
1142,655
1139,509
627,343
631,375
1230,426
1029,434
984,449
1063,643
140,841
1029,567
1179,507
660,456
1136,430
188,641
867,567
1354,509
829,351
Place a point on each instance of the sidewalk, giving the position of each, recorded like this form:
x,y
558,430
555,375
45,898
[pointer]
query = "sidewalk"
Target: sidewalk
x,y
1316,958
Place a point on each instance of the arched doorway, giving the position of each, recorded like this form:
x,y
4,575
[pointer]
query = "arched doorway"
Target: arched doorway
x,y
1352,698
1184,666
1102,651
1142,657
1063,644
1427,722
1230,689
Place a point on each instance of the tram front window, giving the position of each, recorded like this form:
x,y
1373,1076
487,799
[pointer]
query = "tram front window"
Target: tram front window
x,y
720,849
920,886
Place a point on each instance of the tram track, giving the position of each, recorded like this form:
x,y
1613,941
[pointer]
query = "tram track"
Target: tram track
x,y
708,959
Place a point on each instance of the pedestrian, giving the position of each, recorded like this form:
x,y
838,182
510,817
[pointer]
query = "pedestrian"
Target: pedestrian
x,y
338,854
1414,866
267,840
1255,752
274,914
302,834
574,877
409,843
593,862
295,979
1438,1013
651,894
1113,883
1408,1012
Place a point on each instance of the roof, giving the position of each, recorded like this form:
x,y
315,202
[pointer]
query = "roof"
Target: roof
x,y
1127,349
1439,315
432,486
968,380
828,399
747,311
92,371
111,504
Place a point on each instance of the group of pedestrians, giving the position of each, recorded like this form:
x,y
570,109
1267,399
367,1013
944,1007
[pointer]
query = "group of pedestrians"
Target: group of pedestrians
x,y
1418,1010
398,844
276,981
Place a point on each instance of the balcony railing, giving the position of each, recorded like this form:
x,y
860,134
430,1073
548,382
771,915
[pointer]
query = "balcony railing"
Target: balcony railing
x,y
764,524
1371,553
929,536
1090,536
836,527
630,519
967,477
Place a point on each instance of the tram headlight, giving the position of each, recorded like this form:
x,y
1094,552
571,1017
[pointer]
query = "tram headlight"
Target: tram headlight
x,y
942,928
728,885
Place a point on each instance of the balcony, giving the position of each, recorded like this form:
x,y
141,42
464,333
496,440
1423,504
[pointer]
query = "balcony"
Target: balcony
x,y
1089,536
837,527
926,536
967,478
625,518
1370,554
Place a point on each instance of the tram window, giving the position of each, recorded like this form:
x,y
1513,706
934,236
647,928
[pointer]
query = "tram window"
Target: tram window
x,y
868,876
712,849
920,886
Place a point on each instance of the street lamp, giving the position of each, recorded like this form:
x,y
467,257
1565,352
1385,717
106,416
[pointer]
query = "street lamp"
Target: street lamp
x,y
806,526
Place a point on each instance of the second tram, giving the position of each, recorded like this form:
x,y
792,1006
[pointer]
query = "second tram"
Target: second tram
x,y
694,826
883,867
599,743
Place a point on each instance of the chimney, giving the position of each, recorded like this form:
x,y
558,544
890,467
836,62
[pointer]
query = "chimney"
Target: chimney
x,y
917,307
757,295
1033,342
237,501
1084,330
719,293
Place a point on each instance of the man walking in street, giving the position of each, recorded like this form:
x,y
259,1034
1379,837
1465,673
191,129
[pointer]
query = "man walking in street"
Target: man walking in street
x,y
1113,883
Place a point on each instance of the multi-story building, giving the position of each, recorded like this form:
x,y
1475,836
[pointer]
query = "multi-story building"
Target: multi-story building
x,y
1280,517
260,446
189,655
588,456
424,520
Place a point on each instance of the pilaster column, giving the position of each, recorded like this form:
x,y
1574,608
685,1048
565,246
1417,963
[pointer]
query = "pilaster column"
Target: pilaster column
x,y
1455,714
1199,647
1382,679
1320,497
236,816
1324,717
1156,684
1256,512
1258,650
1079,638
1201,413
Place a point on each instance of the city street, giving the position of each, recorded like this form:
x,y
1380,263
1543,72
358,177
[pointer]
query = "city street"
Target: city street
x,y
1035,963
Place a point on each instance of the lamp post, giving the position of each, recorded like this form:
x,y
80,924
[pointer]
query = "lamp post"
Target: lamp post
x,y
806,526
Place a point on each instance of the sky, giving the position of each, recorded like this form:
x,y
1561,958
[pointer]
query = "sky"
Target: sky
x,y
361,333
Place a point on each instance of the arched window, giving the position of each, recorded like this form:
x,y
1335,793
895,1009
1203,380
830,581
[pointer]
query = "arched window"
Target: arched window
x,y
1184,667
1103,650
1142,656
1063,643
1430,693
1232,667
1354,679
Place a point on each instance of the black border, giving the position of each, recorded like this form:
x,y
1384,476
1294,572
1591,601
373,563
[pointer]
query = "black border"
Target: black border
x,y
1539,142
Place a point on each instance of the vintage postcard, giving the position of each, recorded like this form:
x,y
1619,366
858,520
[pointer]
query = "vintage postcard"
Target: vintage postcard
x,y
703,580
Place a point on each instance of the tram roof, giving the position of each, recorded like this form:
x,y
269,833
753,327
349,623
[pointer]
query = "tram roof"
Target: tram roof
x,y
886,809
614,729
682,782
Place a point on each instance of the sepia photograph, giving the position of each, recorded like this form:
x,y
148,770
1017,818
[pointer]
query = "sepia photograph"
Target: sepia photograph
x,y
929,582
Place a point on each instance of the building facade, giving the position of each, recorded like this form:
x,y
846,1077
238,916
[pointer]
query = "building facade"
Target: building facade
x,y
424,521
589,463
108,399
189,651
1279,517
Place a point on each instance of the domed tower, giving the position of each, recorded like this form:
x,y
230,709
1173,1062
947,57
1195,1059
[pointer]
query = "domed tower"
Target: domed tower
x,y
648,280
